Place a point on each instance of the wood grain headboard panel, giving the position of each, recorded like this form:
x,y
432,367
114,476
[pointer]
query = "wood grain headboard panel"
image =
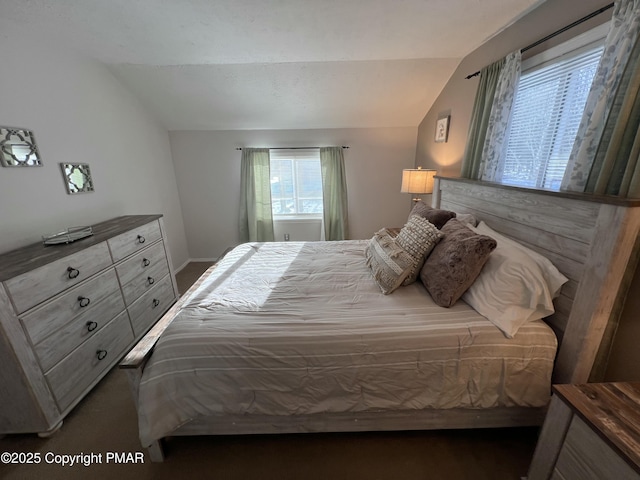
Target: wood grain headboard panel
x,y
590,239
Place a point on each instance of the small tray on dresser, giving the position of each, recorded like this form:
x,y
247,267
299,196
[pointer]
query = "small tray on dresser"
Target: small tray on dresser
x,y
68,235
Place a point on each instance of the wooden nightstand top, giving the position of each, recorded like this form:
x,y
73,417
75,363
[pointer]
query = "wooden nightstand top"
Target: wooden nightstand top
x,y
613,410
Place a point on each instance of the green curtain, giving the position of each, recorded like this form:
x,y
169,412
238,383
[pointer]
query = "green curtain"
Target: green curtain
x,y
472,160
256,219
334,192
616,167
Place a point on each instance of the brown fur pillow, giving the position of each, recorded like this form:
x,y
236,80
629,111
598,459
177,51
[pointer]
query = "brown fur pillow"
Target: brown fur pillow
x,y
455,262
436,216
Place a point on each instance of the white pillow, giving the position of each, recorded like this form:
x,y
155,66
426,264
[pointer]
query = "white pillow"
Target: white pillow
x,y
515,286
467,219
554,278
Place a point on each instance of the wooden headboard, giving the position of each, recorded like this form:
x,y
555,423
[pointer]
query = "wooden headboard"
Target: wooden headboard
x,y
592,240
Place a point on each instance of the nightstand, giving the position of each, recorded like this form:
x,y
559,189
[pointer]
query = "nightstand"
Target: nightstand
x,y
591,431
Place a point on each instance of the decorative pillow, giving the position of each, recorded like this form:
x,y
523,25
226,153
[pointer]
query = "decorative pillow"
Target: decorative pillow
x,y
436,216
393,231
514,287
455,262
389,263
417,238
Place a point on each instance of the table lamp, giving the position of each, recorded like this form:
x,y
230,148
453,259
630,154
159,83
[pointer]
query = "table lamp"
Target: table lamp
x,y
417,182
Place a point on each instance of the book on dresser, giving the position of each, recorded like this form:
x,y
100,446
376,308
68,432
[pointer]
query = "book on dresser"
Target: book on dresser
x,y
70,312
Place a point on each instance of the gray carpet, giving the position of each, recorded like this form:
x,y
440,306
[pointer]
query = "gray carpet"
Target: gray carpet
x,y
105,421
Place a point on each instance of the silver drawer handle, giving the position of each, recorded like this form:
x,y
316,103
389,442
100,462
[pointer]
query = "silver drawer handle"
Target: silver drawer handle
x,y
151,280
72,272
91,326
101,354
146,262
156,302
141,239
84,301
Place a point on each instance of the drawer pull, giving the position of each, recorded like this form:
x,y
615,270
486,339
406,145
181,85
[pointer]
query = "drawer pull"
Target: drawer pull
x,y
72,272
84,301
151,280
101,354
91,326
141,239
156,302
146,262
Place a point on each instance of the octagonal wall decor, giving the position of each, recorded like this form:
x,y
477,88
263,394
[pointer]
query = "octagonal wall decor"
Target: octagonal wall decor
x,y
77,177
18,148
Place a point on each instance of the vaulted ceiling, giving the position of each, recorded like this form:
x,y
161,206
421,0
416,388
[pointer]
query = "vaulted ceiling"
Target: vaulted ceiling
x,y
272,64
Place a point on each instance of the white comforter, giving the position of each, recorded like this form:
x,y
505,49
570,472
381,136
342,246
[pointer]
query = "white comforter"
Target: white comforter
x,y
302,328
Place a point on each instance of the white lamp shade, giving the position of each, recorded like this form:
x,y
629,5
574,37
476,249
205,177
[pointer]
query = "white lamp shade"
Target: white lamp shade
x,y
417,180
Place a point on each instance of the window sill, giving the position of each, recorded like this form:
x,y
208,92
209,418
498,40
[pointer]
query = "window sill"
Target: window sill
x,y
297,218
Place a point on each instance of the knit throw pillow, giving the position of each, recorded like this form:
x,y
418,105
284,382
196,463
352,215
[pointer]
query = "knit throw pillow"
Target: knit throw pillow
x,y
417,238
390,264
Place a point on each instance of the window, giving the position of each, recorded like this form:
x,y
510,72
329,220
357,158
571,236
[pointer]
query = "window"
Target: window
x,y
547,111
296,182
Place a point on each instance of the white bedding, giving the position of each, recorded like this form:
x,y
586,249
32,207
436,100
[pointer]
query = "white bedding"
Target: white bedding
x,y
302,328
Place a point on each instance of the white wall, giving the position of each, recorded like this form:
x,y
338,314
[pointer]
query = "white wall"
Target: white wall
x,y
80,113
299,230
207,168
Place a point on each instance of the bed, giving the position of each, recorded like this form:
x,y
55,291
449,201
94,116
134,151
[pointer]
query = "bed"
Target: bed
x,y
297,337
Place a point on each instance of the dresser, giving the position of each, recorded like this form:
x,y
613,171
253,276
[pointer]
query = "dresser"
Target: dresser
x,y
591,432
69,312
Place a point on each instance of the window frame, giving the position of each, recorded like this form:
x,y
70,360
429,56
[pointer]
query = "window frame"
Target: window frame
x,y
567,50
305,154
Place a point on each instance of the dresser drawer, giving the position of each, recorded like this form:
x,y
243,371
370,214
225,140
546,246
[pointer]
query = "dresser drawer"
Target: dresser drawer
x,y
149,307
134,240
139,274
141,262
60,343
69,378
585,456
31,288
41,323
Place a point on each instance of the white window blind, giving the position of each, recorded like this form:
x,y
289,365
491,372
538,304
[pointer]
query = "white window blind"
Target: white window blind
x,y
547,112
296,182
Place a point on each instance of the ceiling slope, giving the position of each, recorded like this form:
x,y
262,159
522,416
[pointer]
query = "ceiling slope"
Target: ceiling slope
x,y
272,64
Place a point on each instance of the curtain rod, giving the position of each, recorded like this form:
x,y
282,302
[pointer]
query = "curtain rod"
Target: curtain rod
x,y
557,32
291,148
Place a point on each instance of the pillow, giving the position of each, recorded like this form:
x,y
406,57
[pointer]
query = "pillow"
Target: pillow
x,y
455,262
554,278
389,263
467,219
434,215
417,238
513,287
393,231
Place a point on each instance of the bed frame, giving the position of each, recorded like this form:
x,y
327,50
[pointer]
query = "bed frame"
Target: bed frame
x,y
592,240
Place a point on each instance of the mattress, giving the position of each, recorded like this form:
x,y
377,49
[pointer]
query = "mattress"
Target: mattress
x,y
302,328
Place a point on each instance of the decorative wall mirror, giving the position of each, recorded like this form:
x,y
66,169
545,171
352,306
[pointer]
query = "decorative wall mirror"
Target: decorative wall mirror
x,y
77,177
18,148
